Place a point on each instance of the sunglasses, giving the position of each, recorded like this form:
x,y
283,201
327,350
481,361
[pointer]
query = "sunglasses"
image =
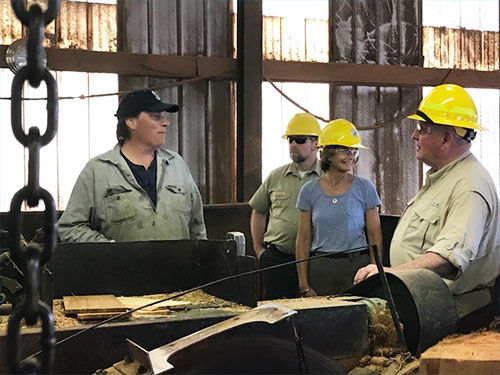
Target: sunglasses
x,y
299,139
348,151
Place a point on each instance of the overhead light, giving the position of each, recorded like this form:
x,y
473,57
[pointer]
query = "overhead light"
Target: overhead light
x,y
16,55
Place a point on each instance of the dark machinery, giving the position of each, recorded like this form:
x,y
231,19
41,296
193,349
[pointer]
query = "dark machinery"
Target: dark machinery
x,y
12,279
331,337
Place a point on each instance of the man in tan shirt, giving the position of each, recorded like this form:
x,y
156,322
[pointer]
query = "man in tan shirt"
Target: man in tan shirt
x,y
452,226
276,198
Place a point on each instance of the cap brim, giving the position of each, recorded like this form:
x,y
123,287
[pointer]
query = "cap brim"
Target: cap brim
x,y
163,107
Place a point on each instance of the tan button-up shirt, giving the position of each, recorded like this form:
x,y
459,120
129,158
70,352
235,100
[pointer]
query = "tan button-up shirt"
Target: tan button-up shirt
x,y
277,197
456,215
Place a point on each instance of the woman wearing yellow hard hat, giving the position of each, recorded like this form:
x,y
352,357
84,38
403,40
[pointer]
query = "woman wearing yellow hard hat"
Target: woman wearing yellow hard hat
x,y
338,211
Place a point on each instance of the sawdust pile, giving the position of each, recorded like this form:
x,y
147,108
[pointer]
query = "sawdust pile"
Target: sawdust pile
x,y
387,356
400,364
60,320
382,333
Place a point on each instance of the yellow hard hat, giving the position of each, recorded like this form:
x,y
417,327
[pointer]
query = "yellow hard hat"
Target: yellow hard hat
x,y
340,132
303,124
449,105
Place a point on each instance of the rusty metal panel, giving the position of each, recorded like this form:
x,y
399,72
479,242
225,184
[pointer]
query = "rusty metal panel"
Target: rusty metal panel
x,y
271,37
72,25
460,48
379,32
78,25
11,29
293,43
101,23
294,39
316,40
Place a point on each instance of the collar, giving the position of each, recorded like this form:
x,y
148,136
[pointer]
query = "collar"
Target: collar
x,y
433,177
292,169
114,156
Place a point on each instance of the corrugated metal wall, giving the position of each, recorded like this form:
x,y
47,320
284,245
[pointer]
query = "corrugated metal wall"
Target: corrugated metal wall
x,y
79,25
460,48
203,131
292,39
379,32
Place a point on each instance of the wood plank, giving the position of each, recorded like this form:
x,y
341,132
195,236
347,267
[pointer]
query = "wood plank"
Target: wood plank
x,y
135,302
98,315
221,155
92,304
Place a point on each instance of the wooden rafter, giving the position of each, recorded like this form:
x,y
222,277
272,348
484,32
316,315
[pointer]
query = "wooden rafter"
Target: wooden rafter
x,y
175,66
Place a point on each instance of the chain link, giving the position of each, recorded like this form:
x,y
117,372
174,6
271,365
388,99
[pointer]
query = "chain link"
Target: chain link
x,y
30,258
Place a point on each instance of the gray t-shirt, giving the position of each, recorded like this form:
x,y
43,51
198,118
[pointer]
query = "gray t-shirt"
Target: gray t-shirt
x,y
338,220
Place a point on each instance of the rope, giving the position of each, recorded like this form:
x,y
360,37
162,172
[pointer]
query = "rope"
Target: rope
x,y
170,84
369,127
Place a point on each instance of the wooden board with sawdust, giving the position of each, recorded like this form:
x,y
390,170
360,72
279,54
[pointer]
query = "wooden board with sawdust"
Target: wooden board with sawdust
x,y
135,302
92,304
98,315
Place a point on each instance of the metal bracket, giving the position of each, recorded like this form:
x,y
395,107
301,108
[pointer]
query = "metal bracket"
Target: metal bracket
x,y
156,360
240,240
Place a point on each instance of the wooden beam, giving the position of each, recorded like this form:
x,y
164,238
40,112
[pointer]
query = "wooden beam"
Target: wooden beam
x,y
249,99
377,75
175,66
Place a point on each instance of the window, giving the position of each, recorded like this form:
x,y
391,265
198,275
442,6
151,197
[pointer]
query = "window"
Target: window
x,y
86,128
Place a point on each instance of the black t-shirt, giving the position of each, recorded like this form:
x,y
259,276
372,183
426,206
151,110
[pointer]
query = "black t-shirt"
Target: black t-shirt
x,y
146,178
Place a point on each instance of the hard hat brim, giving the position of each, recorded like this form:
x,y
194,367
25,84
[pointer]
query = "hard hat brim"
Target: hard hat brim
x,y
465,126
415,117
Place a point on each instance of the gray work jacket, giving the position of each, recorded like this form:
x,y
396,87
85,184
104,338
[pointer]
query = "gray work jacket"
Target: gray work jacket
x,y
108,204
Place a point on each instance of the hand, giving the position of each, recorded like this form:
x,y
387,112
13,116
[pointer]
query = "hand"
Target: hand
x,y
308,292
365,272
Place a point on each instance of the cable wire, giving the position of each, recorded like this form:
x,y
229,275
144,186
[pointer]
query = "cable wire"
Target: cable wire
x,y
231,277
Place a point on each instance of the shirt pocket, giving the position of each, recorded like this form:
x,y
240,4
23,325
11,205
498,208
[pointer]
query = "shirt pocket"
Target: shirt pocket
x,y
178,199
120,204
278,202
423,227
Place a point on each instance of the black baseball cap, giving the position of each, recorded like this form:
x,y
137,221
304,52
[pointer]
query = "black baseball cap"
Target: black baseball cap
x,y
143,100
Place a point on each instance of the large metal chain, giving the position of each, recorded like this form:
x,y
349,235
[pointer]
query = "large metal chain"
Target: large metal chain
x,y
30,258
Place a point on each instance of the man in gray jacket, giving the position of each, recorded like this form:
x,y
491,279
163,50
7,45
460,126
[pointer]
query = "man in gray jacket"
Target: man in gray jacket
x,y
138,191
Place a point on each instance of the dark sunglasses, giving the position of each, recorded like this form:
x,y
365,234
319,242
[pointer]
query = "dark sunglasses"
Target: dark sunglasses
x,y
299,139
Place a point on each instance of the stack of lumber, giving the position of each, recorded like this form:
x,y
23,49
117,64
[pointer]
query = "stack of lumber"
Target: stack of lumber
x,y
93,307
107,306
